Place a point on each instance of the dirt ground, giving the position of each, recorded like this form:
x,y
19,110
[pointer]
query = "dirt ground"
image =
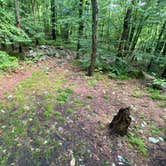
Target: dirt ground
x,y
75,131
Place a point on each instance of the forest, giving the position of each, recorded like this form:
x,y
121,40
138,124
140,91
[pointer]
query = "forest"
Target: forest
x,y
82,82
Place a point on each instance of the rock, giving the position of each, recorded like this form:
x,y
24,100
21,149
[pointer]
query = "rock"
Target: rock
x,y
43,58
57,52
153,140
32,54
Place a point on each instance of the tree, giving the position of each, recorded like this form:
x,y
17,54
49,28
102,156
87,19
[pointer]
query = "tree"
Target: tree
x,y
123,45
80,28
159,46
18,20
53,19
94,36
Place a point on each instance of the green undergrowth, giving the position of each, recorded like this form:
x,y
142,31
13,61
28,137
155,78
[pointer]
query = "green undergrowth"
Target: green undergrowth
x,y
118,76
156,94
7,62
138,143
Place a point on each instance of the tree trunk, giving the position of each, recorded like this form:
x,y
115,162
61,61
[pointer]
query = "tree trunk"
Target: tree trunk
x,y
53,19
137,35
164,73
123,45
121,122
80,29
33,7
158,46
132,31
94,36
18,20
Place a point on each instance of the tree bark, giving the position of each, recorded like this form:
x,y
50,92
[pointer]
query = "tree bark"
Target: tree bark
x,y
80,29
53,19
18,20
137,35
164,73
33,7
123,45
158,46
121,122
94,36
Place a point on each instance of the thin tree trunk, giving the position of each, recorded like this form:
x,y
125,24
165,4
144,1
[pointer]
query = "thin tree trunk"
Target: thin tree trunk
x,y
158,46
132,31
123,45
80,29
137,35
18,20
94,36
164,50
164,73
33,7
53,19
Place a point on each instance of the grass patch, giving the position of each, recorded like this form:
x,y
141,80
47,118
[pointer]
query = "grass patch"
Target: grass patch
x,y
69,110
118,76
92,82
138,143
64,95
137,94
162,104
99,76
155,130
79,103
156,94
49,108
57,113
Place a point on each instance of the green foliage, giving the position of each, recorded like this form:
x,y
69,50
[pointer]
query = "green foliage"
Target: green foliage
x,y
120,76
69,110
138,143
7,62
64,94
57,113
162,104
155,130
159,82
156,94
9,33
48,110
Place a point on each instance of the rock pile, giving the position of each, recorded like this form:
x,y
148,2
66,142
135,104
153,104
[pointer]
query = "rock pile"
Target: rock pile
x,y
43,51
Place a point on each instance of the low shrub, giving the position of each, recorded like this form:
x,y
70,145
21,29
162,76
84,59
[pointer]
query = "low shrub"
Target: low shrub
x,y
7,62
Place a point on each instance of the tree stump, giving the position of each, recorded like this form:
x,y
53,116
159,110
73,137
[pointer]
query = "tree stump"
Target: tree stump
x,y
121,122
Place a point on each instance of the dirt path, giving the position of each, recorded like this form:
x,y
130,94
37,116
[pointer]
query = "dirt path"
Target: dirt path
x,y
10,80
59,115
